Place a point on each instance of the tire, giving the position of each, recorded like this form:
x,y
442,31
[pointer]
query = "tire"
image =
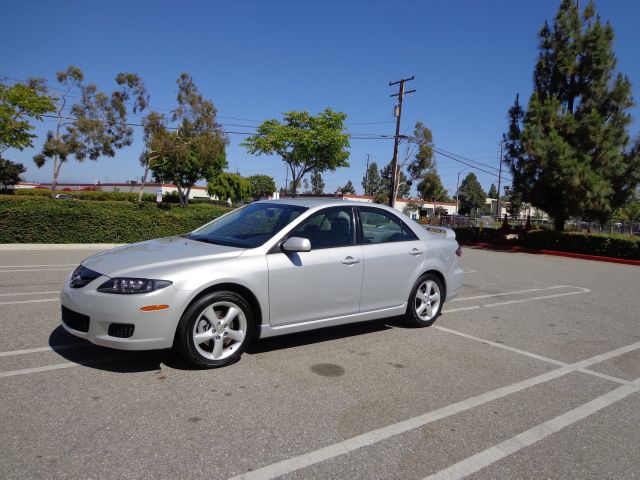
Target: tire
x,y
215,330
421,313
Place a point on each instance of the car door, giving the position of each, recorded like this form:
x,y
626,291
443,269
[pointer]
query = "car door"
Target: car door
x,y
324,282
393,256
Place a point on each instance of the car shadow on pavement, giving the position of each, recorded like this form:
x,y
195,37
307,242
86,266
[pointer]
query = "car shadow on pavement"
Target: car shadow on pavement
x,y
320,335
84,353
112,360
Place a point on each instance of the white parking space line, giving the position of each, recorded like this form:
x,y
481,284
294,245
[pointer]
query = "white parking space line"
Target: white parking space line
x,y
35,270
46,368
516,292
510,302
466,270
340,448
55,348
530,354
533,435
502,346
30,301
34,266
27,293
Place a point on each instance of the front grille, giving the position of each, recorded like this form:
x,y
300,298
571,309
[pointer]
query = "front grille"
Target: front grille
x,y
75,320
121,330
82,276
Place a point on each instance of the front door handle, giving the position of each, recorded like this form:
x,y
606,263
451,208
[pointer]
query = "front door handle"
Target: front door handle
x,y
350,261
415,252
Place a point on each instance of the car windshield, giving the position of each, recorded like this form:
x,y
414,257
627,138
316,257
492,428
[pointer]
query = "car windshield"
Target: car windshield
x,y
248,227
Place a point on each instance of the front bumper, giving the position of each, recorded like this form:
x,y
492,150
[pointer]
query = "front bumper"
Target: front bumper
x,y
151,330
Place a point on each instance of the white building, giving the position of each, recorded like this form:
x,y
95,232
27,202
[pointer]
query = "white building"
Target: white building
x,y
134,187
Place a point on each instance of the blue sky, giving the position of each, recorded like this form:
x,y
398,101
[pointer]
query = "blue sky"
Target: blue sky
x,y
256,60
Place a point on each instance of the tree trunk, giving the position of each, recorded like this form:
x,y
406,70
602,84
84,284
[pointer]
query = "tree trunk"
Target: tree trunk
x,y
56,170
144,179
558,223
186,196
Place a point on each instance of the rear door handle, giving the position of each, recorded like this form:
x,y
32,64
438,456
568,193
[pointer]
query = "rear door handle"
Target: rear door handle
x,y
415,252
350,260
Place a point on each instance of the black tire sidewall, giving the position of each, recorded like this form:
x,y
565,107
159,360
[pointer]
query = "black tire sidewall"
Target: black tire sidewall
x,y
411,316
184,339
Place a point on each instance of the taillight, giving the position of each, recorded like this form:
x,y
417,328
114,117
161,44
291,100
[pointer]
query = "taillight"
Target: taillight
x,y
459,251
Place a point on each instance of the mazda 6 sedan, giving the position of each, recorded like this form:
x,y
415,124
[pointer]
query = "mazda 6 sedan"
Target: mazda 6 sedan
x,y
269,268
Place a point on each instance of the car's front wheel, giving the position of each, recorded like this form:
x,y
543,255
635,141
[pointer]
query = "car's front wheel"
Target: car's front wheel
x,y
425,301
215,330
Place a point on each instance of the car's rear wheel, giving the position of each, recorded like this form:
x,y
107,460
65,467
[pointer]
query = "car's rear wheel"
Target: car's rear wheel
x,y
215,330
426,300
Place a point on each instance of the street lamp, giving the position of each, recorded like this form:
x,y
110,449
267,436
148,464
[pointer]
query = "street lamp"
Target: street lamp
x,y
458,188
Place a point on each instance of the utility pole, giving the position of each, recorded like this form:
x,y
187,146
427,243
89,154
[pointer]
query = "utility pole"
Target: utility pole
x,y
396,139
499,178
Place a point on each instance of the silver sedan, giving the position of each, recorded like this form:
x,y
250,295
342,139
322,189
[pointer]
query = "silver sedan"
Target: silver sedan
x,y
269,268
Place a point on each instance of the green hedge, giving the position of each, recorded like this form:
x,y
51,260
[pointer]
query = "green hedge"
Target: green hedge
x,y
95,195
33,219
616,246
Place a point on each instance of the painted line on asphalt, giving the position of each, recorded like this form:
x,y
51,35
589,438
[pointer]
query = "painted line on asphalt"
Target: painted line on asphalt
x,y
16,302
531,354
502,346
466,270
521,300
55,348
27,371
34,266
27,293
366,439
35,270
533,435
516,292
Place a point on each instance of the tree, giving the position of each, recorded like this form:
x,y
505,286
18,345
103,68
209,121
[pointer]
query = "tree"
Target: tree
x,y
230,186
18,104
10,173
423,159
430,187
514,198
569,151
317,183
95,126
371,182
348,188
493,191
262,186
304,142
196,150
403,185
472,197
305,186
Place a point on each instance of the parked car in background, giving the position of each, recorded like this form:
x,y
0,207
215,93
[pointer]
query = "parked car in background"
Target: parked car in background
x,y
266,269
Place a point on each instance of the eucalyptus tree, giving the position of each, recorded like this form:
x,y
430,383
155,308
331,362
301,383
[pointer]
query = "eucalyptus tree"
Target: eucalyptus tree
x,y
89,123
195,148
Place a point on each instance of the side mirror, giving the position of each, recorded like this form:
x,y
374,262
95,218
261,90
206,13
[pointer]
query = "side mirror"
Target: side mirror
x,y
296,244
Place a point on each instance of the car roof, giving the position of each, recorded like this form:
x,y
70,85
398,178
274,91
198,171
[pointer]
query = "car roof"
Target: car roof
x,y
313,202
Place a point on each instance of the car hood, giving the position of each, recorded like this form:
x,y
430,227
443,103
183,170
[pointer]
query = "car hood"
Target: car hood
x,y
163,254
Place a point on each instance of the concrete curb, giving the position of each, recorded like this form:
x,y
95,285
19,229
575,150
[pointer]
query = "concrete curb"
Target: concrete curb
x,y
581,256
57,246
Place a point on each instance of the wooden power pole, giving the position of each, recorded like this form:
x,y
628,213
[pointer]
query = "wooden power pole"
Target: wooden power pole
x,y
396,140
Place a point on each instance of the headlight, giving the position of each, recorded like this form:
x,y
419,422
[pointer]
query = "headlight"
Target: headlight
x,y
132,285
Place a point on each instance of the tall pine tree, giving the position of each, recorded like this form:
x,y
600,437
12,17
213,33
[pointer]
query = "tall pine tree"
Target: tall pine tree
x,y
569,151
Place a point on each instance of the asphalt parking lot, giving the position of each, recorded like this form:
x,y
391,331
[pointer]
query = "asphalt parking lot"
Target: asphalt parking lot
x,y
532,373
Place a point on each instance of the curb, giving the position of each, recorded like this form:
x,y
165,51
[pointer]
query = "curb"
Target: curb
x,y
12,247
581,256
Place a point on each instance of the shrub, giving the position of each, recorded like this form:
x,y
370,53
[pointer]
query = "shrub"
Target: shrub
x,y
616,246
95,195
31,219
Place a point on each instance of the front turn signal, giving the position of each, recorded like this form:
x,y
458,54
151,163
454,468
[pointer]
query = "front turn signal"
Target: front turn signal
x,y
154,308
